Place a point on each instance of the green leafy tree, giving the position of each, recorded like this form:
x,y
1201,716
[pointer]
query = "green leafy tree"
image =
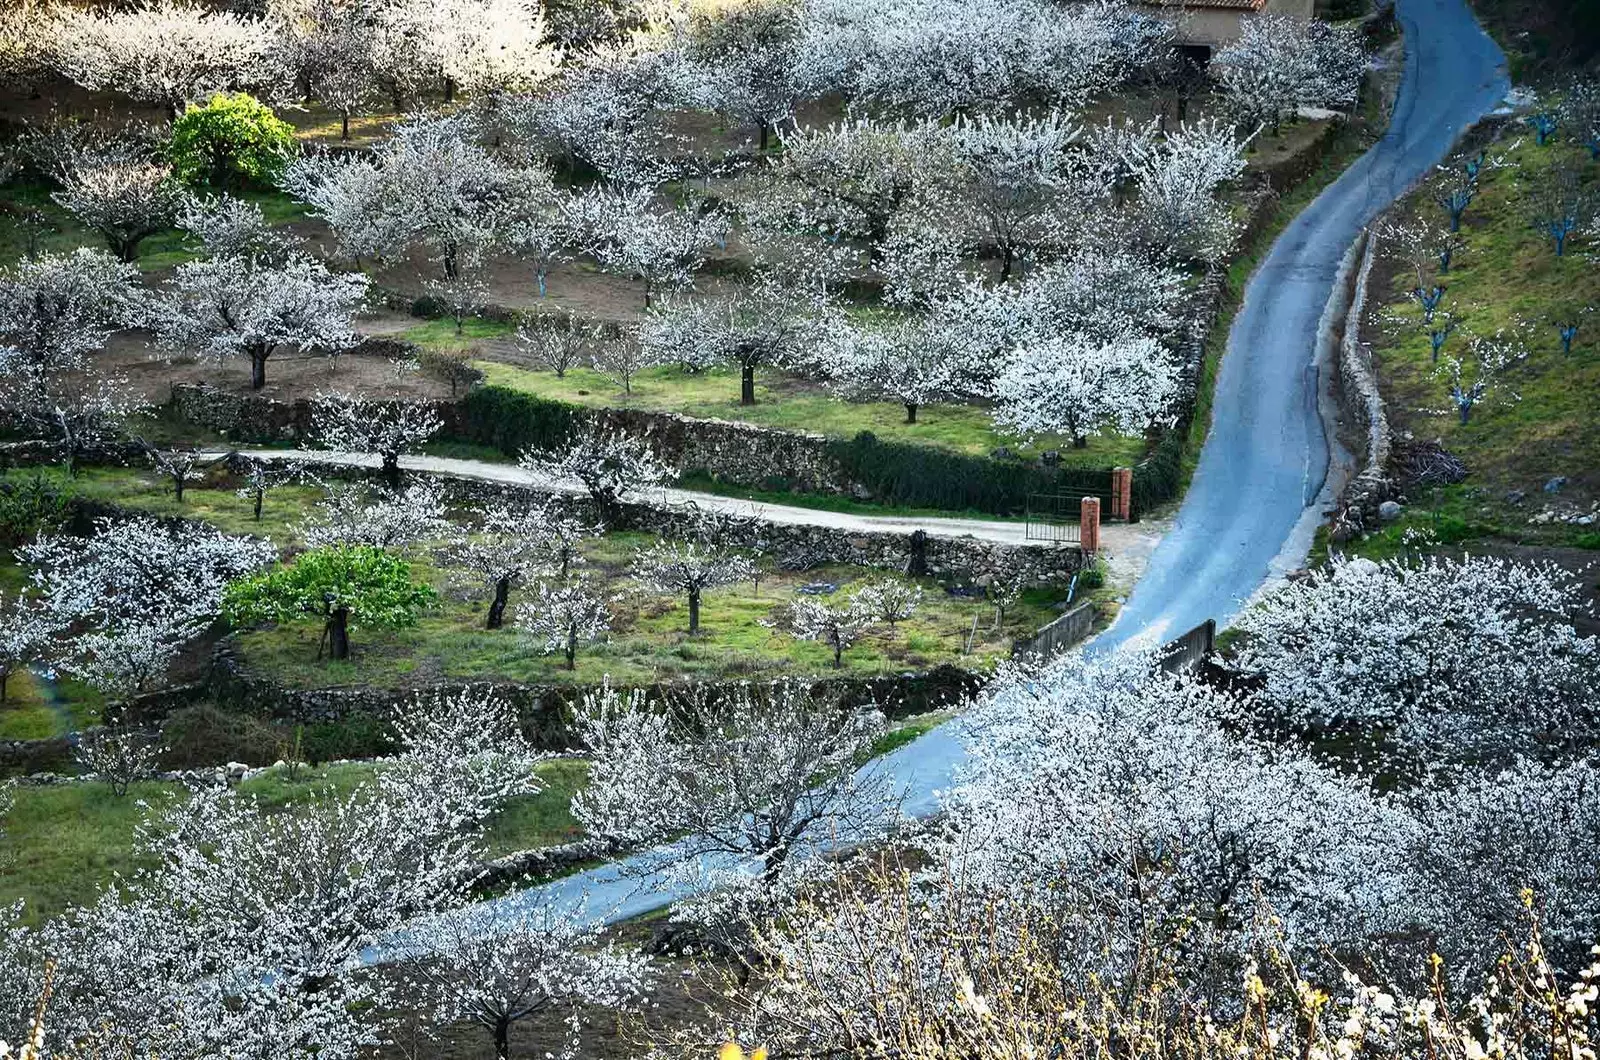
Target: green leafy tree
x,y
233,140
343,585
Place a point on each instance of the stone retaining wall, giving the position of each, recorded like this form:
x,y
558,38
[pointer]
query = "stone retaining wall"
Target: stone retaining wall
x,y
1361,408
249,418
545,710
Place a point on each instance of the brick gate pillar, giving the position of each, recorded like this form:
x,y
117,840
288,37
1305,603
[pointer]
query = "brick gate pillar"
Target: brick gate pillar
x,y
1089,524
1122,493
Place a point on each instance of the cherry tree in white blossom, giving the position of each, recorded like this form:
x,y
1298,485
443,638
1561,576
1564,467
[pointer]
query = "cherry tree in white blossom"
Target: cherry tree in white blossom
x,y
57,310
1017,168
387,429
27,633
497,968
558,343
1442,657
621,357
250,304
262,477
488,46
836,625
513,542
889,602
660,248
1280,64
752,784
117,758
1078,386
180,466
772,319
124,201
609,463
1472,376
689,569
749,64
164,52
135,593
558,618
388,518
1178,179
906,361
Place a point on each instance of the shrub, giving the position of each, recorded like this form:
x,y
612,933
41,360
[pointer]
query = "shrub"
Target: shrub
x,y
206,735
29,504
920,476
234,140
514,422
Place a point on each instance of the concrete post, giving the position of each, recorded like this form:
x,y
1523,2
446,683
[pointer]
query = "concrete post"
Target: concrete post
x,y
1089,524
1122,493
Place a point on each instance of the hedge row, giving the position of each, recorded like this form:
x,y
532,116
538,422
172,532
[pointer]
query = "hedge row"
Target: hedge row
x,y
512,422
895,473
920,476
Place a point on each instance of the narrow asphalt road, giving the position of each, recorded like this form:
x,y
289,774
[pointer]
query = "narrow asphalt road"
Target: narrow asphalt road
x,y
1266,457
1113,536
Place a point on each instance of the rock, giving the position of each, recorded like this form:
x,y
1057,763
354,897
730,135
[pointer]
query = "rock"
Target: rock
x,y
860,493
1585,520
1389,511
1515,497
1003,453
818,589
236,770
983,580
1050,458
1556,484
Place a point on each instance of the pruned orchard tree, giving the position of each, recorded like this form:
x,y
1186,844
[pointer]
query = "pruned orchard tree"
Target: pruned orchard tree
x,y
1440,656
57,310
178,465
1472,376
386,429
851,178
688,569
27,635
162,52
117,758
889,602
79,413
388,518
620,357
1280,64
749,64
342,585
749,787
907,360
773,319
123,200
1077,386
489,46
659,248
135,593
1560,204
431,186
497,968
837,625
558,618
1178,180
1016,172
609,463
244,300
558,343
262,476
511,544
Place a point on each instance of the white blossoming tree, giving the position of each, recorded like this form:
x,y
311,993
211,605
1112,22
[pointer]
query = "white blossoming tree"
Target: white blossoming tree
x,y
389,518
752,784
1077,386
609,463
559,618
513,543
836,625
1280,64
165,52
386,429
1442,657
124,201
659,248
688,569
27,634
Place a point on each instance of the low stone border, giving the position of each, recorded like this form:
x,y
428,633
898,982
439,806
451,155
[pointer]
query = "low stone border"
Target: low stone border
x,y
1361,404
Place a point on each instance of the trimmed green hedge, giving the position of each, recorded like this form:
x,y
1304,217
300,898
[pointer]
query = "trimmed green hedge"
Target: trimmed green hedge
x,y
512,422
920,476
895,473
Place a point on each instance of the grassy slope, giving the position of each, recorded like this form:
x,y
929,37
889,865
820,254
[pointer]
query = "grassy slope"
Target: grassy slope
x,y
1508,273
62,844
791,403
648,641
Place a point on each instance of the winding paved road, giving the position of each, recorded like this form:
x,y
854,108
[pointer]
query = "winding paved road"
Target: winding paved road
x,y
1266,458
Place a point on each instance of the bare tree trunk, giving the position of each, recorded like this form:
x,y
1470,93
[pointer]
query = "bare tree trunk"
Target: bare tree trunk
x,y
911,412
497,608
391,469
747,384
338,627
258,369
694,611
